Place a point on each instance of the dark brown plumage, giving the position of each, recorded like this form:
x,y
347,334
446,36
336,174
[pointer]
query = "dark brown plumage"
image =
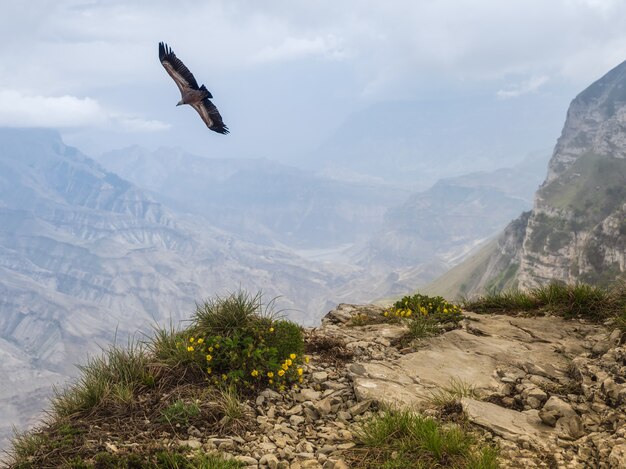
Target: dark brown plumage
x,y
196,97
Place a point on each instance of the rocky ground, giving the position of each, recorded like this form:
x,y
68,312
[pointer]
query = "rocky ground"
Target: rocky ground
x,y
550,392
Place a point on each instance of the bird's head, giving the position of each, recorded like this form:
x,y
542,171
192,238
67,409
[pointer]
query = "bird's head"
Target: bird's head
x,y
180,102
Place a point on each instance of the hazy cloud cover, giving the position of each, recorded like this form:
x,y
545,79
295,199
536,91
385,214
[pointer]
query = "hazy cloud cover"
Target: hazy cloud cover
x,y
285,73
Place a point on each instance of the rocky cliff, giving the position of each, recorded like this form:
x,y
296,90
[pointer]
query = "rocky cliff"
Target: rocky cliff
x,y
576,230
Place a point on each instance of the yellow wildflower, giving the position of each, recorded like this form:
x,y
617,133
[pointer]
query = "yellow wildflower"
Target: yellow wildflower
x,y
271,381
224,377
270,374
300,371
200,340
271,329
209,370
306,359
191,339
284,366
293,356
210,349
281,372
300,379
217,345
408,313
254,373
288,362
386,313
190,349
209,358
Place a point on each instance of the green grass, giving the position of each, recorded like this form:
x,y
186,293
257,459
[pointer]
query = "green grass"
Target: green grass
x,y
232,346
422,327
114,378
621,321
180,412
454,392
173,460
24,445
576,300
592,187
404,439
237,312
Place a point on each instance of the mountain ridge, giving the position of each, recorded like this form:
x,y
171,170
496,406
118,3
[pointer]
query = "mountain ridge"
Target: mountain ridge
x,y
576,229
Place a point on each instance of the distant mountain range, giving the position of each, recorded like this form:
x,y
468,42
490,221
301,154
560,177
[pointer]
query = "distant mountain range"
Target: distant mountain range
x,y
87,257
92,252
387,233
576,230
263,201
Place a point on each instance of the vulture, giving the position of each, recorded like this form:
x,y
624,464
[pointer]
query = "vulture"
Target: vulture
x,y
197,97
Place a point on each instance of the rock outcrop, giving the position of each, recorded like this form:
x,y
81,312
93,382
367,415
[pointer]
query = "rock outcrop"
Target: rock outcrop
x,y
548,392
576,230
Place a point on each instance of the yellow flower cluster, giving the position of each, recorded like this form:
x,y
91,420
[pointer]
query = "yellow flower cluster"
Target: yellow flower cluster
x,y
417,306
400,313
284,368
207,350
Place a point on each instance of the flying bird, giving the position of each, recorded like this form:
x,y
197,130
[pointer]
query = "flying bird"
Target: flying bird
x,y
196,97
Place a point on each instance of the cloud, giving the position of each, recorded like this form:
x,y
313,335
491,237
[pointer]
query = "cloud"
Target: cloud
x,y
529,86
18,109
293,48
135,124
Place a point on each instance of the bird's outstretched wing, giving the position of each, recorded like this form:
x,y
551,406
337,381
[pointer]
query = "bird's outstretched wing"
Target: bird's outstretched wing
x,y
211,116
176,69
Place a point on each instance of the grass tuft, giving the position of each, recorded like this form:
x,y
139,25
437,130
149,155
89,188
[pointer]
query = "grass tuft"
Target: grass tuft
x,y
180,412
235,417
238,311
580,300
405,439
454,392
114,378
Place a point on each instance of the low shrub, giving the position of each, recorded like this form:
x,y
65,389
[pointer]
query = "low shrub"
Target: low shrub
x,y
424,315
238,342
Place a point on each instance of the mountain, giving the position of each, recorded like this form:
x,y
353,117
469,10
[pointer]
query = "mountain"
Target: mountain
x,y
397,241
263,201
435,229
87,257
576,230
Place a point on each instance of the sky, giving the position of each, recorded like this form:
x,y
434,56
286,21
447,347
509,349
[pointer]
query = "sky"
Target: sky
x,y
286,74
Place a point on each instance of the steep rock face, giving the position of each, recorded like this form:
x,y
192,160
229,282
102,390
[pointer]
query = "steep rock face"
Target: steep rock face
x,y
577,229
